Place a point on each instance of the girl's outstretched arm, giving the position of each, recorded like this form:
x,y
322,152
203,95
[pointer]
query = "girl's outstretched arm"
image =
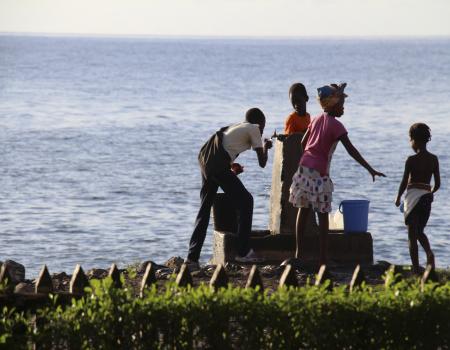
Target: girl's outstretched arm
x,y
358,157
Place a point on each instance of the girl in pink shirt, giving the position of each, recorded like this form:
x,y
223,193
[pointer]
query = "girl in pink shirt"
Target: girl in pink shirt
x,y
312,187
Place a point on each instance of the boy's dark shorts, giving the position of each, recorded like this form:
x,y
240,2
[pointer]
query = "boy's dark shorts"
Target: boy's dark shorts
x,y
421,213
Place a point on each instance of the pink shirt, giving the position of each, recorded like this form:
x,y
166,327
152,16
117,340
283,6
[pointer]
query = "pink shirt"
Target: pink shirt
x,y
324,133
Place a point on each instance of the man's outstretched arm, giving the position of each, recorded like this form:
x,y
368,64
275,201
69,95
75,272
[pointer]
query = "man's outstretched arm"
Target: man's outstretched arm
x,y
261,152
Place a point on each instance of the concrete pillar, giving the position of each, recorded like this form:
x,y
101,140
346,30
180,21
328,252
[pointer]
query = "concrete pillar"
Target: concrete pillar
x,y
286,157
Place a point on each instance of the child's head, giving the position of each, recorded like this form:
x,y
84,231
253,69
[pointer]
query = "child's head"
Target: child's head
x,y
331,98
298,97
256,116
419,134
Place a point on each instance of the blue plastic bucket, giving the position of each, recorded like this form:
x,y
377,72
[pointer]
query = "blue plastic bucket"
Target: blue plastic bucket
x,y
356,215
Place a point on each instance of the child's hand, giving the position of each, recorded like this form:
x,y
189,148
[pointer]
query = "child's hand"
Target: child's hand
x,y
376,173
397,202
237,168
267,144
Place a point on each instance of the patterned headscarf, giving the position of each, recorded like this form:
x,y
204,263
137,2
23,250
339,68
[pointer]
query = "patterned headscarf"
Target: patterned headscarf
x,y
329,95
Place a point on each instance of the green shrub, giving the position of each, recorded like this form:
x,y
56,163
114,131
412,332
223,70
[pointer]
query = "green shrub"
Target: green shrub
x,y
401,317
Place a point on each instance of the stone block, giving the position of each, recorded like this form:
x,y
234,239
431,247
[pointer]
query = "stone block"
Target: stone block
x,y
78,281
322,276
6,280
254,279
16,271
148,279
44,282
114,273
288,277
358,278
184,277
219,278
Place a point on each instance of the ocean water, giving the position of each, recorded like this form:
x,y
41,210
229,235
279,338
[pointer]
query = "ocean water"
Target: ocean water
x,y
99,137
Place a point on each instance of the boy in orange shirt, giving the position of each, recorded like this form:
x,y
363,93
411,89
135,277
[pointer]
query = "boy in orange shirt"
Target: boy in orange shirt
x,y
299,119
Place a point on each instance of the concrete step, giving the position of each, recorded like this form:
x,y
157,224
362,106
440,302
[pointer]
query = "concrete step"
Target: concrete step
x,y
344,248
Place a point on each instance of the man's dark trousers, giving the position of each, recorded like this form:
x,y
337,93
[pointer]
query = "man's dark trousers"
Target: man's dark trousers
x,y
242,201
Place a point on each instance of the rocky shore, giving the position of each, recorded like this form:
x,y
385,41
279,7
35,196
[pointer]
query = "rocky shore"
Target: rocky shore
x,y
237,274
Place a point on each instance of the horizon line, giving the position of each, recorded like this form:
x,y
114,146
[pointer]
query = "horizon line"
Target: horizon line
x,y
194,36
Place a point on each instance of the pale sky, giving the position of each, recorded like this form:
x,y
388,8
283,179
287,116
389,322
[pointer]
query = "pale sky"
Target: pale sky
x,y
228,17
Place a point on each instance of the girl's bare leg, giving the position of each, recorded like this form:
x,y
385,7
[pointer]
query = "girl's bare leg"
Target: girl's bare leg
x,y
300,226
323,239
413,249
426,246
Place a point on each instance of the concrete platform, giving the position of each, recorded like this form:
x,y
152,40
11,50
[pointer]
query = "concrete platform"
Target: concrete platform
x,y
344,248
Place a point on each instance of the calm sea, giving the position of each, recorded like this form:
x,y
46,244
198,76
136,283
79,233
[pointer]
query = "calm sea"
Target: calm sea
x,y
99,137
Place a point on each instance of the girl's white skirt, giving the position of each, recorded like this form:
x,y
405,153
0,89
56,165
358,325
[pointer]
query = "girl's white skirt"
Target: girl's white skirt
x,y
310,190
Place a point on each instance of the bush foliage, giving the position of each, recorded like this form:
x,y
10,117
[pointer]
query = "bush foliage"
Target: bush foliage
x,y
400,317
